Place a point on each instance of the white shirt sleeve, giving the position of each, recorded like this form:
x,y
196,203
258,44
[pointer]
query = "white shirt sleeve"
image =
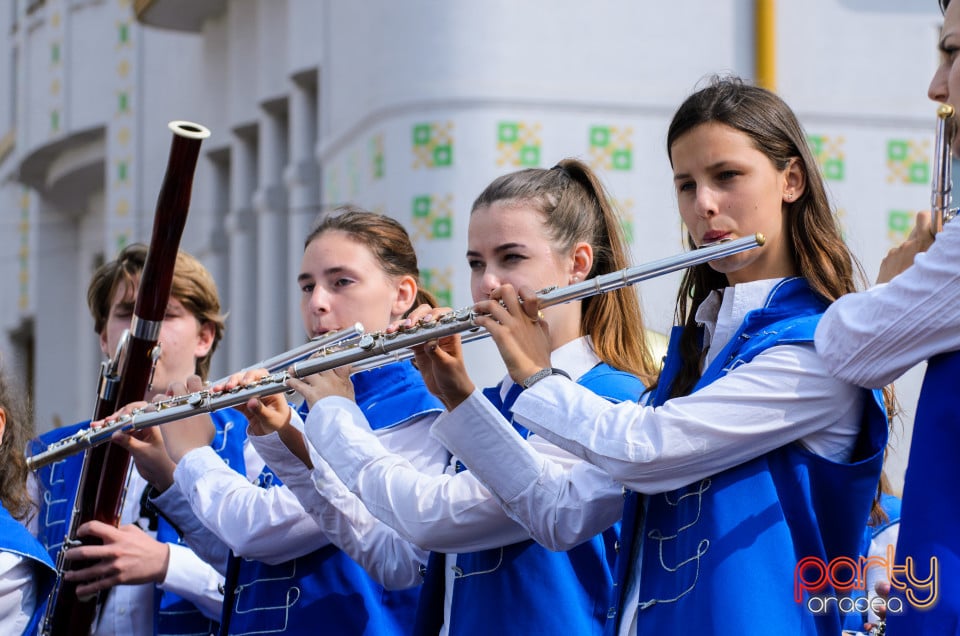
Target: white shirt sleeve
x,y
208,546
442,513
783,395
265,524
871,338
560,499
191,578
390,559
17,597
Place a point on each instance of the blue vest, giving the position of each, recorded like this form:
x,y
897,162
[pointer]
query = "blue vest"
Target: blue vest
x,y
719,556
930,521
17,539
326,591
525,588
58,488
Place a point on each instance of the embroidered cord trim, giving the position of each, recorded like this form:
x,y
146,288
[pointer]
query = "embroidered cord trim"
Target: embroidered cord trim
x,y
458,572
703,546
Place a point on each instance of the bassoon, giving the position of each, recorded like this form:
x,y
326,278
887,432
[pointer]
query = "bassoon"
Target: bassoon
x,y
125,379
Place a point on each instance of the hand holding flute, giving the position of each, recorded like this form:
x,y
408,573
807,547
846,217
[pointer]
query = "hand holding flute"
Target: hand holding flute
x,y
941,211
156,451
440,361
520,329
901,257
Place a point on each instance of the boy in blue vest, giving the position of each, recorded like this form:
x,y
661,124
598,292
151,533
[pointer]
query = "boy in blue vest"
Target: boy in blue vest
x,y
155,584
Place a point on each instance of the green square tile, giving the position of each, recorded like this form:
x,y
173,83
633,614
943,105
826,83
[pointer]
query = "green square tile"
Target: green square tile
x,y
897,150
622,159
443,228
530,156
816,144
421,134
443,155
899,221
599,136
508,132
919,172
421,206
833,169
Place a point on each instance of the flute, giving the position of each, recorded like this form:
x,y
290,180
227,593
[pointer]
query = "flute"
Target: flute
x,y
941,199
378,349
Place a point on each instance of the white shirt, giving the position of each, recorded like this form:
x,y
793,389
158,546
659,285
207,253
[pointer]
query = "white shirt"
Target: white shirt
x,y
560,499
130,608
273,526
452,512
784,394
390,559
264,524
872,338
17,600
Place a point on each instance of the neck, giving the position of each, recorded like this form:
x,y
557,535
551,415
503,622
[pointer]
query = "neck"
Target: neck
x,y
564,321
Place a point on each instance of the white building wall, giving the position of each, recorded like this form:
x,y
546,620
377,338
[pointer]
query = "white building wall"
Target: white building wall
x,y
411,109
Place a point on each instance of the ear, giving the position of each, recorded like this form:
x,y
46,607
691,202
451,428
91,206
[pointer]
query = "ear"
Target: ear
x,y
3,423
103,343
794,181
204,339
582,262
406,296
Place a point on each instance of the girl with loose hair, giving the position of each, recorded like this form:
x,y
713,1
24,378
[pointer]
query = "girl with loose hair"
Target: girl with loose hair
x,y
26,570
540,228
750,456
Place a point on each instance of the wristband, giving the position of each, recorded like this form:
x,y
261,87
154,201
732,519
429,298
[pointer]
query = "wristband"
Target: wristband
x,y
541,374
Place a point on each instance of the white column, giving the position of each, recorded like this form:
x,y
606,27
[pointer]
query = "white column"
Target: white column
x,y
240,225
303,185
216,252
270,203
62,321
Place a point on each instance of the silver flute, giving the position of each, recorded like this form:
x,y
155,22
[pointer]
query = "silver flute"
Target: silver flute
x,y
88,437
373,350
941,199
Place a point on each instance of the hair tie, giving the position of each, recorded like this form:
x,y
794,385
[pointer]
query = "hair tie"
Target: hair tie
x,y
560,168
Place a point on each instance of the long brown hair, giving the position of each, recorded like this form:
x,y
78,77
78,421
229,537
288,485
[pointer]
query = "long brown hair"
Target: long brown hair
x,y
13,466
812,231
386,239
577,208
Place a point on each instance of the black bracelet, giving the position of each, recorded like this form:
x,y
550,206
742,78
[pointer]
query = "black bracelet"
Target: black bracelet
x,y
541,374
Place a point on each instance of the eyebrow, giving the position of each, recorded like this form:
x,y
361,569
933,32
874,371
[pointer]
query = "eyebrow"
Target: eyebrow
x,y
713,166
506,247
330,271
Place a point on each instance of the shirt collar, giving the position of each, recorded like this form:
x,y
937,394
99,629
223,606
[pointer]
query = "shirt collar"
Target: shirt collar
x,y
723,311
